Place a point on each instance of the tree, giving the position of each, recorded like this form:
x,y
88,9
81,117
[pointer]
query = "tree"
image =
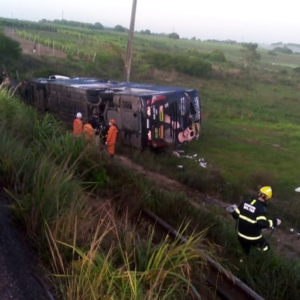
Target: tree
x,y
174,35
147,32
119,28
98,25
284,49
250,55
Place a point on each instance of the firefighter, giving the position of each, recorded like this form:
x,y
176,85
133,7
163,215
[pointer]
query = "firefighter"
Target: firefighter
x,y
77,125
111,137
88,132
94,121
251,219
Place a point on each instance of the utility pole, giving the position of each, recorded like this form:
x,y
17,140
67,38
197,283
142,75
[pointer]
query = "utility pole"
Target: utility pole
x,y
127,67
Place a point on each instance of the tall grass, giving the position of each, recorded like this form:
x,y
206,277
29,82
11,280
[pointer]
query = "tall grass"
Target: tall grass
x,y
270,274
94,254
120,263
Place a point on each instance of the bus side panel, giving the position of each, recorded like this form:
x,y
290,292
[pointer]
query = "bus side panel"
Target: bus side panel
x,y
126,112
168,119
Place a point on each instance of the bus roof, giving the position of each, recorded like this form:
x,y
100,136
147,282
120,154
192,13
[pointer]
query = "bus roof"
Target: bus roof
x,y
101,84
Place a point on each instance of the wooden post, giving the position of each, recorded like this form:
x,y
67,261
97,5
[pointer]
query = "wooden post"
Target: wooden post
x,y
127,67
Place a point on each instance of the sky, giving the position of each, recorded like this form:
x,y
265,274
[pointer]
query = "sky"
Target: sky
x,y
260,21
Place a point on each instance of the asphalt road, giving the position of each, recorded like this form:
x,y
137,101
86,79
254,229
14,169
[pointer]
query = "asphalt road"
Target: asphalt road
x,y
17,263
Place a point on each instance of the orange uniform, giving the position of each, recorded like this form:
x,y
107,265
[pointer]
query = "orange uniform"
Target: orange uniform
x,y
111,137
77,127
88,132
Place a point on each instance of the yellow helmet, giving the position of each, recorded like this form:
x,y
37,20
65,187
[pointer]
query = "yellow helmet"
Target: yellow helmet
x,y
266,192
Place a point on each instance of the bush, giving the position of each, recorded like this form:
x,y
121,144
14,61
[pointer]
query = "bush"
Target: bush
x,y
193,66
272,52
285,50
217,55
297,69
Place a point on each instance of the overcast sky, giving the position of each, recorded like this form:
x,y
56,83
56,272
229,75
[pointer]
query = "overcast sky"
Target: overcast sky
x,y
262,21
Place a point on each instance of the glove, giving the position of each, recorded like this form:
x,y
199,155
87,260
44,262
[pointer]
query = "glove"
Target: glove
x,y
231,208
278,222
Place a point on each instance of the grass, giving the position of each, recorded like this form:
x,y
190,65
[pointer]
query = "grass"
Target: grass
x,y
131,267
92,248
249,138
89,243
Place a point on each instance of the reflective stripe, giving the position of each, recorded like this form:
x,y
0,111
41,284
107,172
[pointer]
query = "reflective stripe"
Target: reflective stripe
x,y
251,238
265,249
271,223
237,211
261,218
253,202
248,219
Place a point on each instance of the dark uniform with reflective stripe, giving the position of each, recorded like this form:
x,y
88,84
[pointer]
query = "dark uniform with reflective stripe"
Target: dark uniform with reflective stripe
x,y
251,218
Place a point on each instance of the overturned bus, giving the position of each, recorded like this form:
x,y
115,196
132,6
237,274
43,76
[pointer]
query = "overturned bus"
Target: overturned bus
x,y
145,114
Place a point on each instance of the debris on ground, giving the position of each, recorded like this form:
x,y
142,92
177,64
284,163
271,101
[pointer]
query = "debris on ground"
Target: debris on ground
x,y
202,163
199,161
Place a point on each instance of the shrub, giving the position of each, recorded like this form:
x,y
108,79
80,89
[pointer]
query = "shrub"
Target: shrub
x,y
297,69
217,55
272,52
284,49
193,66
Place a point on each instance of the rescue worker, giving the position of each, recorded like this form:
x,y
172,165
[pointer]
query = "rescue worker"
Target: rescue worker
x,y
251,219
77,125
88,132
111,137
94,121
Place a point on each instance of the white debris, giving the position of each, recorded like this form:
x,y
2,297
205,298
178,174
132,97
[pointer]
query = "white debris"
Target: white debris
x,y
292,230
297,189
179,166
175,153
202,163
195,155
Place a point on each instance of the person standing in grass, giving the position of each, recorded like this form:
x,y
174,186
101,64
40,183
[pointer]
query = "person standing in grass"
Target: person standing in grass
x,y
111,137
96,126
77,125
251,219
88,132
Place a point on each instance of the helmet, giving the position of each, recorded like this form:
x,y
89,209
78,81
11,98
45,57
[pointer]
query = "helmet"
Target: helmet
x,y
79,115
266,192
